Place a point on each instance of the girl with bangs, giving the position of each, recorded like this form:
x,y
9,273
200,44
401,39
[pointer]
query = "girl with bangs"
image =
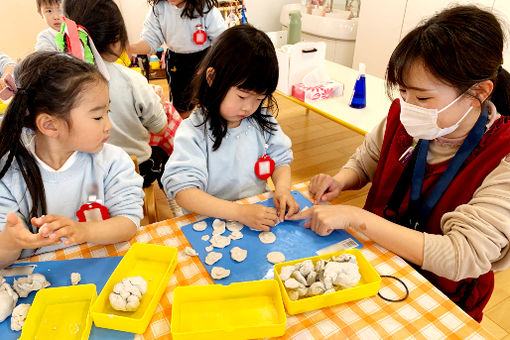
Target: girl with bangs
x,y
223,151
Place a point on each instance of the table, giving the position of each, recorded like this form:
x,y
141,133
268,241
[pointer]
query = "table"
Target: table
x,y
338,109
425,314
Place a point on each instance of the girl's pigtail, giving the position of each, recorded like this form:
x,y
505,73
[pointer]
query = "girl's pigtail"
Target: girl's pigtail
x,y
12,145
501,94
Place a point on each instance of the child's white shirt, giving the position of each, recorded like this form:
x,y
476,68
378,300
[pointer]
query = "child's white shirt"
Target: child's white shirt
x,y
46,40
229,172
164,24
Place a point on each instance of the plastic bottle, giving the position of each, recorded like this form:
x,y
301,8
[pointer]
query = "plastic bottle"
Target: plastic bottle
x,y
359,95
294,33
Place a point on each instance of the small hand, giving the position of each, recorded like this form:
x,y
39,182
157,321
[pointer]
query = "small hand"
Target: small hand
x,y
285,201
21,237
257,216
326,218
324,188
56,227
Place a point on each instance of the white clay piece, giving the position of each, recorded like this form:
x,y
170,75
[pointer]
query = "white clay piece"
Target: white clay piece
x,y
190,251
127,293
205,238
235,235
19,315
305,279
267,237
219,273
219,241
75,278
27,284
209,248
200,226
218,227
275,257
234,226
213,257
238,254
8,299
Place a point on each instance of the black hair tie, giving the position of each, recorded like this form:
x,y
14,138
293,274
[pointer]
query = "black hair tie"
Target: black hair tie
x,y
403,284
500,68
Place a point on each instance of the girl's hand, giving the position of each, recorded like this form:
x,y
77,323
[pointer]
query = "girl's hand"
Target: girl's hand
x,y
326,218
324,188
285,201
257,216
20,237
56,227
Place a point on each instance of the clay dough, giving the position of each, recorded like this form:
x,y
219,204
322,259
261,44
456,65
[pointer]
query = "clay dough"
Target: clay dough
x,y
190,251
200,226
213,257
209,248
19,315
219,241
218,227
219,273
127,293
267,237
275,257
33,282
234,226
235,235
238,254
8,299
75,278
205,238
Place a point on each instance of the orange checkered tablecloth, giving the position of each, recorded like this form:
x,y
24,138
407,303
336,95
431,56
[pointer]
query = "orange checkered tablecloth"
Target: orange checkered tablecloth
x,y
425,314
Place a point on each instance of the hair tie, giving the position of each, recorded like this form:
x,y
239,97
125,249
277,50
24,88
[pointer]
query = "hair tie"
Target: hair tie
x,y
10,88
500,68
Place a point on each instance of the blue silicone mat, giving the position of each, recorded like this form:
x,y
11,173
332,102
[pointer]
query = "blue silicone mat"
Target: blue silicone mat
x,y
58,273
292,239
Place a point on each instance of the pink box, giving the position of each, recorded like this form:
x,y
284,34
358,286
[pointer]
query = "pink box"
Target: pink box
x,y
309,94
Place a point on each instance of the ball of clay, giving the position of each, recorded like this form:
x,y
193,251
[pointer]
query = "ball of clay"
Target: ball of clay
x,y
127,293
8,299
19,315
32,282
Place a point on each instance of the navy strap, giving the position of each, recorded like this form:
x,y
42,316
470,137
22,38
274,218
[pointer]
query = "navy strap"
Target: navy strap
x,y
420,213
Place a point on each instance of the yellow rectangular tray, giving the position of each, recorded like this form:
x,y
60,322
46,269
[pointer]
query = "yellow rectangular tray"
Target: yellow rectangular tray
x,y
155,264
368,285
60,313
243,310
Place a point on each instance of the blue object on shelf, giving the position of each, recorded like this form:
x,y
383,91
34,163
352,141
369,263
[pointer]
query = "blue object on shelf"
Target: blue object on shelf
x,y
359,94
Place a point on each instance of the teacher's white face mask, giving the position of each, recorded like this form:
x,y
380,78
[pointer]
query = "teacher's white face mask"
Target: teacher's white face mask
x,y
421,122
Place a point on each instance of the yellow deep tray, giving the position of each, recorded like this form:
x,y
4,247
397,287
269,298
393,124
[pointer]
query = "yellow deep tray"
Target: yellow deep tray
x,y
60,313
155,264
243,310
368,285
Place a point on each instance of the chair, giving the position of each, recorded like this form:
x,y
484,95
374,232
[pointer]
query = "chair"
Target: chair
x,y
150,203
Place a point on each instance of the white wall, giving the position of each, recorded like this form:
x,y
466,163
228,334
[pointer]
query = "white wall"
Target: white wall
x,y
134,12
265,14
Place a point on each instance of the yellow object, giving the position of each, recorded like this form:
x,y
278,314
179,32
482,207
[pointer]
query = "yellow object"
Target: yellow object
x,y
124,59
3,107
243,310
60,313
368,285
155,65
137,69
155,264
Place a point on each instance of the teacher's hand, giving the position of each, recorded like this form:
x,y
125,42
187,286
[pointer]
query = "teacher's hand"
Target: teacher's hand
x,y
324,188
324,219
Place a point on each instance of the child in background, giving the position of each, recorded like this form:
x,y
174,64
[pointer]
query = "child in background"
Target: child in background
x,y
174,22
445,207
51,12
6,67
66,165
218,146
135,109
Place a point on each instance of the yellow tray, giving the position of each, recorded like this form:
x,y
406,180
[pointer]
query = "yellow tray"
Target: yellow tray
x,y
3,107
155,264
243,310
60,313
368,285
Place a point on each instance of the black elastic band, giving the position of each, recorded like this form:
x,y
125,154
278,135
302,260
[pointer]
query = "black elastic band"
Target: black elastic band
x,y
403,284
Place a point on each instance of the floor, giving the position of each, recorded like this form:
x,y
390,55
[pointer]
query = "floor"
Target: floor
x,y
322,146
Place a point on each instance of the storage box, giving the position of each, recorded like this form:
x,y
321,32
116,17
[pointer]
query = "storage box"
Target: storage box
x,y
243,310
60,313
155,264
368,285
309,94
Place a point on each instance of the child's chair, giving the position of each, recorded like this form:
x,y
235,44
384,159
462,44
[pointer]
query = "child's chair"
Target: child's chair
x,y
150,203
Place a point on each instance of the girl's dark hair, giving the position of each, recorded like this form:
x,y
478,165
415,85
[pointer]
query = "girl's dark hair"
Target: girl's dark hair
x,y
461,46
102,19
242,56
192,8
49,82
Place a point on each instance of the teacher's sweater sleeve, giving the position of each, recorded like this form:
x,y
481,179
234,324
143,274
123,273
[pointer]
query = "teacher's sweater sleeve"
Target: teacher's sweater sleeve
x,y
187,166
